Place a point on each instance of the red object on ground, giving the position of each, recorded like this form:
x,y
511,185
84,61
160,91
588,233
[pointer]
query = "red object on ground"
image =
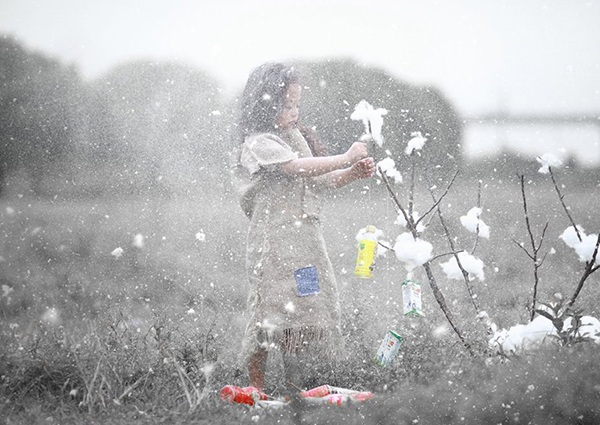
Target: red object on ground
x,y
326,394
246,395
321,391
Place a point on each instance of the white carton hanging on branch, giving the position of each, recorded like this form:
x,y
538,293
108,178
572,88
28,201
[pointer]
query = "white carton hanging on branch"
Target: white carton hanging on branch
x,y
411,298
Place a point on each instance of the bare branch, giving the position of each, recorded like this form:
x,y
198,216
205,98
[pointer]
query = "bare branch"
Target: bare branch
x,y
477,230
446,253
411,192
453,249
589,269
560,197
437,293
395,198
534,248
389,248
439,297
436,203
520,245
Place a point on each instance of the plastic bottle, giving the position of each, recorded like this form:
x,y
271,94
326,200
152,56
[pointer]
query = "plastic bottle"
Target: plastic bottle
x,y
367,247
246,395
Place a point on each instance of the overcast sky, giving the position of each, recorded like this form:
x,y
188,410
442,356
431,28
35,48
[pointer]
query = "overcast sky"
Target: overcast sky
x,y
519,56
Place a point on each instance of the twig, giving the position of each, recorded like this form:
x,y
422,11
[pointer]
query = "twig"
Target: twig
x,y
436,203
561,199
589,269
437,293
394,197
446,253
439,297
534,249
589,265
411,193
389,248
453,249
477,230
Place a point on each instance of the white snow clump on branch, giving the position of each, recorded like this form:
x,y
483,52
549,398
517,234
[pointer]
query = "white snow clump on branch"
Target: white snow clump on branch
x,y
540,330
412,252
416,143
472,265
584,247
371,118
472,222
548,160
388,166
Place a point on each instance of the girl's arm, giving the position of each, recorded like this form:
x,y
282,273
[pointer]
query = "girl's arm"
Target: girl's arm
x,y
362,169
319,165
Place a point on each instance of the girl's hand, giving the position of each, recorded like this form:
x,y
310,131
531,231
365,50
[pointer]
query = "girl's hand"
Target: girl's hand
x,y
364,168
357,151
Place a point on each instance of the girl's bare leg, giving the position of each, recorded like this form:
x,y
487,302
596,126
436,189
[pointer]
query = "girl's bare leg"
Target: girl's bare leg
x,y
256,369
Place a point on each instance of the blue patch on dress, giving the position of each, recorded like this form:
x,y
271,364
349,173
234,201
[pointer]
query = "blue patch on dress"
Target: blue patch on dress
x,y
307,281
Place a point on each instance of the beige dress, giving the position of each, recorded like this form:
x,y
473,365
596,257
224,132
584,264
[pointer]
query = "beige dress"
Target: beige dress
x,y
293,301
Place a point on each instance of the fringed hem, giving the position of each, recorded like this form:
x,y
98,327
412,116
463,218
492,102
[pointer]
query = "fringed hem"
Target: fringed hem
x,y
295,340
292,341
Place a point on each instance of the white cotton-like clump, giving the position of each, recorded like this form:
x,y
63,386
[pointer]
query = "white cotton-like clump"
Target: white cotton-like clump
x,y
117,252
472,265
372,119
540,330
474,224
569,236
412,252
290,307
200,236
415,143
584,247
589,327
548,160
523,337
388,167
402,221
138,241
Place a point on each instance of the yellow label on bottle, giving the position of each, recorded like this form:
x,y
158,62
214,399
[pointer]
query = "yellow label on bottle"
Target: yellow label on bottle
x,y
365,259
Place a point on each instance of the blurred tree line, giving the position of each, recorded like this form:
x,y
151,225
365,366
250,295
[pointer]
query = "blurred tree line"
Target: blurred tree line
x,y
167,129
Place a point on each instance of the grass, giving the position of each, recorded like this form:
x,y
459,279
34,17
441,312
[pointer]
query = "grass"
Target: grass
x,y
153,335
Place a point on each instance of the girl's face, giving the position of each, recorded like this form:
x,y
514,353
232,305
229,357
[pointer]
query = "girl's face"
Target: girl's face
x,y
288,117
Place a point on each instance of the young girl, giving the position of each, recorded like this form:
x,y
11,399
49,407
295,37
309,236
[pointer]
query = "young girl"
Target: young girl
x,y
282,175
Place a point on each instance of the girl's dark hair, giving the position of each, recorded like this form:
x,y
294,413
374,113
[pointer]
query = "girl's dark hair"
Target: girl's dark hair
x,y
263,99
